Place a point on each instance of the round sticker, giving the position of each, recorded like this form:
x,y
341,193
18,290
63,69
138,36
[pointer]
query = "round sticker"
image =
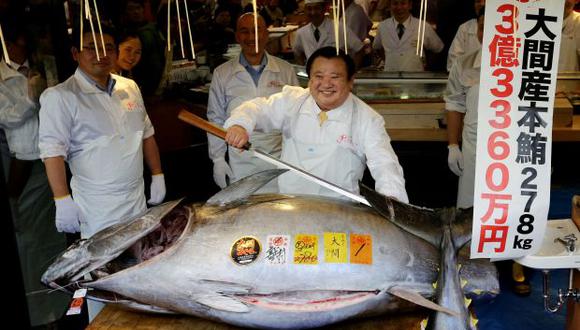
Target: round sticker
x,y
245,250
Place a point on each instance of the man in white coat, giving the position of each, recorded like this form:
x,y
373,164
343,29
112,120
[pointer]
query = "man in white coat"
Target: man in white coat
x,y
97,123
461,100
326,131
465,39
30,197
397,39
357,20
570,44
320,33
245,77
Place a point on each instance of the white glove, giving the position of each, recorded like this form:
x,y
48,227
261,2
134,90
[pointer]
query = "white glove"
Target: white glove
x,y
68,215
221,169
455,159
157,189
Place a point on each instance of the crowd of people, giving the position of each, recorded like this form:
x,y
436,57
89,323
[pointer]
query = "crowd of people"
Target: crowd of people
x,y
95,122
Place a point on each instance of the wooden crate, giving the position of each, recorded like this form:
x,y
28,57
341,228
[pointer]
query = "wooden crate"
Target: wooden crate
x,y
432,115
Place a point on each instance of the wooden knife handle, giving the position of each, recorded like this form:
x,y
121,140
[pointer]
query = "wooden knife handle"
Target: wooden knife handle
x,y
205,125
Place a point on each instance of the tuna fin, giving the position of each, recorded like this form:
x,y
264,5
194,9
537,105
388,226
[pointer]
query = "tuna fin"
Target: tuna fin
x,y
461,227
421,222
416,298
224,287
481,275
222,303
243,188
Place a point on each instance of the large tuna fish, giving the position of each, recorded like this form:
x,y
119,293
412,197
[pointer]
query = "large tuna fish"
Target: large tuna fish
x,y
277,261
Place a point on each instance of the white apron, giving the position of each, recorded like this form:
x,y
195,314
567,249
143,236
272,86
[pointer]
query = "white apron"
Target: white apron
x,y
244,163
107,182
568,53
330,161
466,188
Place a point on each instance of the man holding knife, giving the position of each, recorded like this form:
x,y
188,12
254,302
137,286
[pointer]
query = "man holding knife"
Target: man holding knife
x,y
326,131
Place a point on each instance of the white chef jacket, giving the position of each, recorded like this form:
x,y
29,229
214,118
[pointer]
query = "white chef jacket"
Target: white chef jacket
x,y
465,41
401,54
232,85
76,112
462,95
358,21
570,44
18,114
306,44
368,138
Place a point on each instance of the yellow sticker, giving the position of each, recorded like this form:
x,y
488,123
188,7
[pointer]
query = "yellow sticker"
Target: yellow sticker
x,y
361,249
306,249
335,247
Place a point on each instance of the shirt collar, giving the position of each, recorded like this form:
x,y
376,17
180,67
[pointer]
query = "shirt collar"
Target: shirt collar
x,y
405,23
89,85
322,25
340,113
270,64
244,62
26,64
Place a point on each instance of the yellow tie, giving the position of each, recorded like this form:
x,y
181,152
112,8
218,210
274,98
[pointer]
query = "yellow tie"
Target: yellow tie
x,y
322,117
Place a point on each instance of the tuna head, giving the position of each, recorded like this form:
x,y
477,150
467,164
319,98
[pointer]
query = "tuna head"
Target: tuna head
x,y
87,255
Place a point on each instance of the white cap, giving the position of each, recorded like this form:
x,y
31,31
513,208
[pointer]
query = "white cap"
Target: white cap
x,y
313,1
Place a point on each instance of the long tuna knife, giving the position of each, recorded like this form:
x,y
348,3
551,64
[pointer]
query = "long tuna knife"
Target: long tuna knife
x,y
213,129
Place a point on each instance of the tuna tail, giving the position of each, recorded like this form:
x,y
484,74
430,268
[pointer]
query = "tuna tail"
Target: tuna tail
x,y
461,226
243,188
447,229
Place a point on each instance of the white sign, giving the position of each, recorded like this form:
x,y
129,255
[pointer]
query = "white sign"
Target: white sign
x,y
521,47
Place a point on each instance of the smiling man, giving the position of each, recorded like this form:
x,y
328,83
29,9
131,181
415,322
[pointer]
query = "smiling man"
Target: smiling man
x,y
326,131
251,74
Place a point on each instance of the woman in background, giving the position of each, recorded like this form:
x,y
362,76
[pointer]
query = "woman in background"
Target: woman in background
x,y
129,54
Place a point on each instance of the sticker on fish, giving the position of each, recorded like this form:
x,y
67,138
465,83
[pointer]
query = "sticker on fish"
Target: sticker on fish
x,y
245,250
306,249
77,302
361,249
277,251
335,248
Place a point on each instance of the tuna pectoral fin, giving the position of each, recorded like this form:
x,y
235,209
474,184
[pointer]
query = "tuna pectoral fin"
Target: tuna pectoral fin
x,y
416,298
222,303
243,188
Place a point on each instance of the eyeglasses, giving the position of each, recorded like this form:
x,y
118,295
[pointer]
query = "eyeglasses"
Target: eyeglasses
x,y
108,48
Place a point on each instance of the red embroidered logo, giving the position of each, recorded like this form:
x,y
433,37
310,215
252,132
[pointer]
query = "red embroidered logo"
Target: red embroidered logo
x,y
275,83
131,106
344,139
